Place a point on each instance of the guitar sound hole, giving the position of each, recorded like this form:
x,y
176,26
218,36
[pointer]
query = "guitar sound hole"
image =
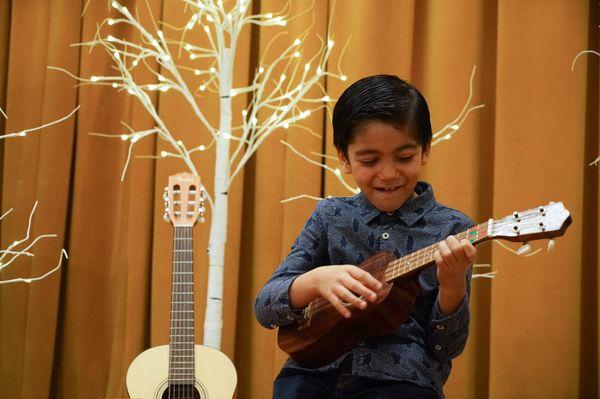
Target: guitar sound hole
x,y
181,391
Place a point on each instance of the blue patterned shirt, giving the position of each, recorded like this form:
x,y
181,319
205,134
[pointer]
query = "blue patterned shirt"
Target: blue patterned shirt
x,y
348,230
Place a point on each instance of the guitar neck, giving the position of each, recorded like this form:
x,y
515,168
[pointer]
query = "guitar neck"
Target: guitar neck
x,y
423,258
181,348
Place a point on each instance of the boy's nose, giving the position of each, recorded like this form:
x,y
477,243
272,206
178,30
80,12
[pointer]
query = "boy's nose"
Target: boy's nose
x,y
388,171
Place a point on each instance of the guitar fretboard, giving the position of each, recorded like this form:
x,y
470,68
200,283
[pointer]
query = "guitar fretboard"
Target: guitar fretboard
x,y
181,348
424,256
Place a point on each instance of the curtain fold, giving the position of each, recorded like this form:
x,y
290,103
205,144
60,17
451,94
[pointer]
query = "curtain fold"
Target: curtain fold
x,y
535,327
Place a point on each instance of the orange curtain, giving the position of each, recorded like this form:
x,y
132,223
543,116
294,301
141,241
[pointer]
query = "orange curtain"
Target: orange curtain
x,y
535,327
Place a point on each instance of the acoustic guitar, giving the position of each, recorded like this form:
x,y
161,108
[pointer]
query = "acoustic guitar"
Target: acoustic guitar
x,y
323,334
182,370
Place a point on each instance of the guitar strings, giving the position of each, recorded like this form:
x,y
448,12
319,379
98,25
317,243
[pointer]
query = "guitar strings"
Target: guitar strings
x,y
181,350
398,267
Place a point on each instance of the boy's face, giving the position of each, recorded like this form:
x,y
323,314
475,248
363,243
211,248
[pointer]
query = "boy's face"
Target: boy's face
x,y
386,163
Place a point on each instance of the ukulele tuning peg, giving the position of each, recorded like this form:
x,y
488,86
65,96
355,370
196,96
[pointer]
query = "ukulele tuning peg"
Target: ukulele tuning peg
x,y
524,250
166,217
202,219
551,245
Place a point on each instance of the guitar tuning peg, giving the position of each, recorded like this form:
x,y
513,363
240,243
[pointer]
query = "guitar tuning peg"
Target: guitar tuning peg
x,y
524,250
202,219
551,245
166,217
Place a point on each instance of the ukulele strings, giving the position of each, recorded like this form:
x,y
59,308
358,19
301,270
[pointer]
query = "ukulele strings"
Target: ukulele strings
x,y
402,266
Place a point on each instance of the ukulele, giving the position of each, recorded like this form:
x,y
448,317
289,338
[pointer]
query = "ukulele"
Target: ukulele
x,y
324,335
182,370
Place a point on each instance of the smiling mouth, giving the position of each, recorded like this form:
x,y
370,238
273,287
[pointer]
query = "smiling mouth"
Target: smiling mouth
x,y
387,189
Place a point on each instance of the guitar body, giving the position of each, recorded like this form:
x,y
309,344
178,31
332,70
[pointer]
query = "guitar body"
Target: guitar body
x,y
148,374
326,335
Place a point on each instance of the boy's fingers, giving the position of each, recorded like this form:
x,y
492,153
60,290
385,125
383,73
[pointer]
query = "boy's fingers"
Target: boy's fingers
x,y
338,305
359,289
446,252
469,250
348,298
439,260
365,277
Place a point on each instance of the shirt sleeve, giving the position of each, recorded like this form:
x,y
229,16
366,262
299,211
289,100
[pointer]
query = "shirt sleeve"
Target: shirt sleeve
x,y
447,334
272,306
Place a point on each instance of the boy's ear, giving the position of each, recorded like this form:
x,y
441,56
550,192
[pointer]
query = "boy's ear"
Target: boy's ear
x,y
425,155
344,162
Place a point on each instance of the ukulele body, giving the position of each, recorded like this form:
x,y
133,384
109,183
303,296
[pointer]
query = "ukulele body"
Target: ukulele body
x,y
325,334
148,375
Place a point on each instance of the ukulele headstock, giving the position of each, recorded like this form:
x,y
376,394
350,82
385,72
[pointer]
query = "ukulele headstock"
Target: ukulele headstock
x,y
184,200
546,221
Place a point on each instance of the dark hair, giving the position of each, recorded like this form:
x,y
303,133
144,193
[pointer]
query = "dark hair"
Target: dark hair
x,y
384,98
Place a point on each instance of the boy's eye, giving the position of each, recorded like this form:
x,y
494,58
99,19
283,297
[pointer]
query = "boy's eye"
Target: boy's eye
x,y
368,161
405,159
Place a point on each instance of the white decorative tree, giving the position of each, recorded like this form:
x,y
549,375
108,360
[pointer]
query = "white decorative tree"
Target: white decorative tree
x,y
279,96
597,160
23,246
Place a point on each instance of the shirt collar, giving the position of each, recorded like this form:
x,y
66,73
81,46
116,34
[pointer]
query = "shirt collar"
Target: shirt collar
x,y
409,213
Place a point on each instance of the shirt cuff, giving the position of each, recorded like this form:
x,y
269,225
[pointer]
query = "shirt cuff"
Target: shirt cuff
x,y
285,313
453,322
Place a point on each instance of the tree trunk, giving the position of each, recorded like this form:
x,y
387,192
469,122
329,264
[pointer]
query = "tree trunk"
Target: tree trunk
x,y
213,320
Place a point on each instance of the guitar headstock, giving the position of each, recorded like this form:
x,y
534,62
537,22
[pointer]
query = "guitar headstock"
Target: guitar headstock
x,y
184,200
545,221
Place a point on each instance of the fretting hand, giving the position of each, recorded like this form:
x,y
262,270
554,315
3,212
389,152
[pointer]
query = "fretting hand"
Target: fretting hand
x,y
453,259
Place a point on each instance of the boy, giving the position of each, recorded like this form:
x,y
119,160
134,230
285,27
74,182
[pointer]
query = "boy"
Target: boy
x,y
382,134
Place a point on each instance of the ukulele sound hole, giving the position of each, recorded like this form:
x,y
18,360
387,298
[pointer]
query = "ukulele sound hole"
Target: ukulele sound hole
x,y
181,391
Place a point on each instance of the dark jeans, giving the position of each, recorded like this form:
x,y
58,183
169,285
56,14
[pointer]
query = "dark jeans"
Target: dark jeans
x,y
340,384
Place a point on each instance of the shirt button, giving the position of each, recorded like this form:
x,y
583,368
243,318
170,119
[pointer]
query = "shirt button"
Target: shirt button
x,y
361,343
440,327
385,235
438,347
390,213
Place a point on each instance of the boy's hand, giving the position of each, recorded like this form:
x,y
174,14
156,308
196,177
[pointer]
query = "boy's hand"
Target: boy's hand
x,y
453,259
341,285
